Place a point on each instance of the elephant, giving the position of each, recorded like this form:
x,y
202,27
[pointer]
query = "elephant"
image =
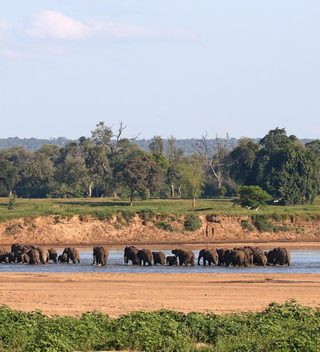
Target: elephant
x,y
145,257
21,257
53,255
248,253
63,258
171,260
72,254
25,258
236,258
18,249
279,256
100,255
259,257
34,256
2,250
43,254
221,252
185,256
7,258
131,253
159,258
208,255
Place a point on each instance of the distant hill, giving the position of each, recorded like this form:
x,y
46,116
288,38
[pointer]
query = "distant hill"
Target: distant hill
x,y
32,144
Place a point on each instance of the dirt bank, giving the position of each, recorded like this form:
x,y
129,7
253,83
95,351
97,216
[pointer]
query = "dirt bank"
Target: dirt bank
x,y
116,294
79,230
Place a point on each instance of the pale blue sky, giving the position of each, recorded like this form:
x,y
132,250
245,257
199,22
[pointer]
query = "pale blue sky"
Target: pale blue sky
x,y
168,67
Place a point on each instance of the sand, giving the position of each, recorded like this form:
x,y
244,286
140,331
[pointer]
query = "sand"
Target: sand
x,y
117,294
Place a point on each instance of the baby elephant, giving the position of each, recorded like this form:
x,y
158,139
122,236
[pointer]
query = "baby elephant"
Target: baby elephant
x,y
159,258
172,260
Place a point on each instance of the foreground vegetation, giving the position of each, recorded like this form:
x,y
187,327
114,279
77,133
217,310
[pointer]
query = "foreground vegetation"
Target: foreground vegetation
x,y
103,208
287,327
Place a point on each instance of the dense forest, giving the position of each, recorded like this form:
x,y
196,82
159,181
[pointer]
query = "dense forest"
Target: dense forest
x,y
109,164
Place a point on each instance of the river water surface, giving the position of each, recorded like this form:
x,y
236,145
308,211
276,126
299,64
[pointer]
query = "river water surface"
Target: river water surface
x,y
303,262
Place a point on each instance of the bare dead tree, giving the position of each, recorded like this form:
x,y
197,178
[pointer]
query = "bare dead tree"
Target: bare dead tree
x,y
213,155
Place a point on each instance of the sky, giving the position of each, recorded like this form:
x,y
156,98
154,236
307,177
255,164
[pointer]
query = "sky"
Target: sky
x,y
163,67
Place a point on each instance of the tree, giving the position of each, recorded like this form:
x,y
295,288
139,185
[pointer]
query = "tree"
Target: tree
x,y
156,145
213,155
192,177
8,177
287,170
253,197
241,160
138,172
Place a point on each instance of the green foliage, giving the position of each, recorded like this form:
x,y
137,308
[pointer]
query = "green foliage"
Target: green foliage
x,y
262,223
11,203
127,216
146,215
286,169
163,225
280,327
192,222
245,224
253,197
103,214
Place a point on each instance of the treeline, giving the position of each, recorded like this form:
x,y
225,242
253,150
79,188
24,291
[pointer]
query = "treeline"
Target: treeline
x,y
109,164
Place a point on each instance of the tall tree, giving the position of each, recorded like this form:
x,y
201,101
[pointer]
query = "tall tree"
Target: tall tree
x,y
213,155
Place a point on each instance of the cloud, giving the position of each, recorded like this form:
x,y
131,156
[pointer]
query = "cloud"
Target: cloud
x,y
54,25
51,24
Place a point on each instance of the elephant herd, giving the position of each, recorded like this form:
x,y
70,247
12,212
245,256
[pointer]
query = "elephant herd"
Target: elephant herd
x,y
244,256
240,256
30,254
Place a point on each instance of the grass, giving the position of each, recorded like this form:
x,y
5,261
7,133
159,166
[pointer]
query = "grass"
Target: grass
x,y
286,327
103,208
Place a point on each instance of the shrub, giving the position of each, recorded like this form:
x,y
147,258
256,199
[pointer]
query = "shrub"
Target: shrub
x,y
253,197
245,224
192,222
146,215
102,215
163,225
262,223
127,216
11,203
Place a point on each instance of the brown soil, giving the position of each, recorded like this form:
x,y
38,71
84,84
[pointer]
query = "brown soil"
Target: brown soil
x,y
86,231
116,294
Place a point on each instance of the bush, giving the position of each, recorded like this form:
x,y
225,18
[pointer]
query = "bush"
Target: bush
x,y
280,327
146,215
253,197
245,224
103,215
192,222
163,225
127,216
262,223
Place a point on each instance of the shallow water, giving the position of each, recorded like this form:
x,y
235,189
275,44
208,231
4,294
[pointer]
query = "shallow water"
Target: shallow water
x,y
303,262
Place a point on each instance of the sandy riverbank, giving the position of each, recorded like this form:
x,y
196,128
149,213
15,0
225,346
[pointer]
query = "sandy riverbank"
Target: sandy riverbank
x,y
116,294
